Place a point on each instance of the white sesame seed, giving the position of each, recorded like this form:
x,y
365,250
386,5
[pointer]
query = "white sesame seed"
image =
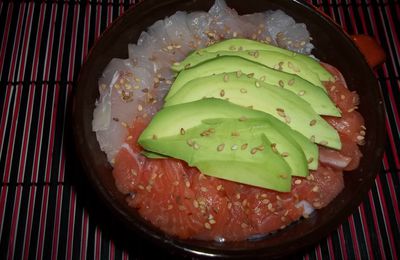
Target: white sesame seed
x,y
207,225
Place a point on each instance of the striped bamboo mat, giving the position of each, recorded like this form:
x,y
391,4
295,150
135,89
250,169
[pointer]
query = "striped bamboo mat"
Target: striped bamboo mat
x,y
43,214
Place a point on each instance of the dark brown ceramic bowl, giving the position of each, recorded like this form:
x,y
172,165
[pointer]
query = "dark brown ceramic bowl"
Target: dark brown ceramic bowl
x,y
332,45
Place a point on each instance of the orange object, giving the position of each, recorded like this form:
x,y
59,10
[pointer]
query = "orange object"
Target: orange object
x,y
372,51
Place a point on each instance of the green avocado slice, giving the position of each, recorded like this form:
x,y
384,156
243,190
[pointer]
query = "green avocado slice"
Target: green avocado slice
x,y
278,102
174,120
317,98
271,59
248,158
239,44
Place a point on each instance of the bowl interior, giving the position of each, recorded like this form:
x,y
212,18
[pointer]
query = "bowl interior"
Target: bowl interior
x,y
331,46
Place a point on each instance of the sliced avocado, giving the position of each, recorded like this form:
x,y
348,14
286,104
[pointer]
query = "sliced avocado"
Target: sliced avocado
x,y
248,92
176,119
317,98
309,148
238,44
247,158
285,145
173,120
274,60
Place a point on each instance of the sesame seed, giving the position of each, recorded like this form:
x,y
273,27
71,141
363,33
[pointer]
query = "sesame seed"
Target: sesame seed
x,y
203,189
312,138
243,90
141,187
234,147
124,124
280,112
238,196
229,205
360,138
170,207
265,201
273,147
238,73
195,204
148,188
187,184
212,221
250,75
362,132
262,78
285,154
190,142
244,225
269,206
315,189
291,82
283,218
254,151
232,48
287,120
139,107
258,84
297,182
187,66
219,187
175,183
291,66
154,137
301,93
182,131
129,137
342,97
244,146
323,143
226,78
281,84
196,146
264,195
207,225
181,208
313,122
220,147
244,202
133,172
234,34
